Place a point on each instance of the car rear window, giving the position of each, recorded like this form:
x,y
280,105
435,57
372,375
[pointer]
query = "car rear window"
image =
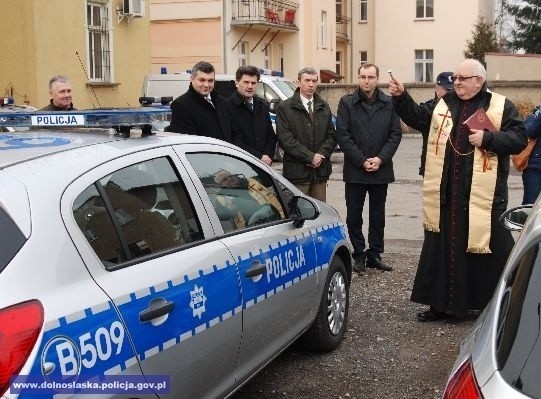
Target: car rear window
x,y
11,239
518,347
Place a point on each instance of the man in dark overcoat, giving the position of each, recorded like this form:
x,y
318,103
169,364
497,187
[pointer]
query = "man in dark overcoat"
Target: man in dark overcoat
x,y
368,132
201,111
251,116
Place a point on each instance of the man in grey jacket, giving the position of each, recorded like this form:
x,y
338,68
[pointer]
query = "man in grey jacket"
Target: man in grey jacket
x,y
368,132
306,134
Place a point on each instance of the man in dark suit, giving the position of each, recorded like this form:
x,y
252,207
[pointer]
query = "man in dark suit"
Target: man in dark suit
x,y
251,116
201,111
368,131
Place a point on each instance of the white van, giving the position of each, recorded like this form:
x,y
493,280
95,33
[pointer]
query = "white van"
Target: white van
x,y
163,88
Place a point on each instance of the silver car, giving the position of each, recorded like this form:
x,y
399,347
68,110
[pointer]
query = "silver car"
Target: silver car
x,y
166,265
501,358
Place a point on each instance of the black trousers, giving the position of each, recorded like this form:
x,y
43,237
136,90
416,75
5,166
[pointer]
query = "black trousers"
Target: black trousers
x,y
355,197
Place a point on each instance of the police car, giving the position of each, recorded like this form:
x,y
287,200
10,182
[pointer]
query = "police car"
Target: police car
x,y
178,262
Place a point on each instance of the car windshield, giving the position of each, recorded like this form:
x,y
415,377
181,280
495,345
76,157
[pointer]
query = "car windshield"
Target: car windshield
x,y
518,348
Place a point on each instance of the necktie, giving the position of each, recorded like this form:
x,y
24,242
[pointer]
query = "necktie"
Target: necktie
x,y
250,105
209,100
310,110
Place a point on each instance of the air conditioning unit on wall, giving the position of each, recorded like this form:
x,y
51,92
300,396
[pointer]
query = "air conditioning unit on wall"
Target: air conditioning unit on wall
x,y
134,8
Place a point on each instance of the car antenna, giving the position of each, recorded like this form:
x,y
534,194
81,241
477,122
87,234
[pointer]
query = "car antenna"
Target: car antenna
x,y
88,79
122,97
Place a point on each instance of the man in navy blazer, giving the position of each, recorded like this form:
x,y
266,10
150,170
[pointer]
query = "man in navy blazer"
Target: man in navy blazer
x,y
251,116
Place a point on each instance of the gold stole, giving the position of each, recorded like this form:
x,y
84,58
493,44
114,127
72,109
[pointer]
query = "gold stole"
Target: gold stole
x,y
485,170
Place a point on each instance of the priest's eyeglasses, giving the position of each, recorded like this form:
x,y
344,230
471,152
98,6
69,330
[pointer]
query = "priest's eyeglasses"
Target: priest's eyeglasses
x,y
463,78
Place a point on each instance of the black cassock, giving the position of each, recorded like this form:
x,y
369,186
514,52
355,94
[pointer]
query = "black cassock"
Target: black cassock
x,y
448,278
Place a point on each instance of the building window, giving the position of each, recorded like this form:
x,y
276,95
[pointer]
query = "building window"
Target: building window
x,y
363,4
323,29
243,54
267,64
424,9
363,57
339,62
339,12
99,41
424,65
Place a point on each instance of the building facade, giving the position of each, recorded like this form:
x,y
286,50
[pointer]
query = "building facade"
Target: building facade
x,y
103,46
415,38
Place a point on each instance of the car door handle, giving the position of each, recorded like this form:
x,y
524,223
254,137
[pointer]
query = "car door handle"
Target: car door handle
x,y
153,313
256,269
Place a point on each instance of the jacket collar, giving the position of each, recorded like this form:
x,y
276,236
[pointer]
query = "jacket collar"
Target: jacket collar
x,y
379,96
193,92
238,100
297,102
70,108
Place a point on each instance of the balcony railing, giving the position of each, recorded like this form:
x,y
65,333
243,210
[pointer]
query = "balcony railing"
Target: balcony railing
x,y
281,13
342,27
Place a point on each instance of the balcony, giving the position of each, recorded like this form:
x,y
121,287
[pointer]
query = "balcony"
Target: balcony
x,y
342,27
265,14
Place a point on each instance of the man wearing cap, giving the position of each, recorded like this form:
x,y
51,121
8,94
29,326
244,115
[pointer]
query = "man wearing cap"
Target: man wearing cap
x,y
443,85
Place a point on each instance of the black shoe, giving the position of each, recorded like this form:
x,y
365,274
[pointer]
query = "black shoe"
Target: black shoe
x,y
433,315
359,266
376,263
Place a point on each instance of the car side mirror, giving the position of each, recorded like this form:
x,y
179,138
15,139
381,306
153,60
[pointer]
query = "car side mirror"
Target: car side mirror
x,y
301,209
514,219
273,106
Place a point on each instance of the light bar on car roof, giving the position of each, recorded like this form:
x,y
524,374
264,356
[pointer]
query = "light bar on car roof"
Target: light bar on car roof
x,y
6,101
117,117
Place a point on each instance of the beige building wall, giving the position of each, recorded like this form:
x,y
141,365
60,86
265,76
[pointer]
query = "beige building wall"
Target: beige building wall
x,y
504,66
49,38
392,33
184,32
17,55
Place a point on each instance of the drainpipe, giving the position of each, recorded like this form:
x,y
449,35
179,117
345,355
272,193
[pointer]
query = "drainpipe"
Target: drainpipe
x,y
351,41
224,32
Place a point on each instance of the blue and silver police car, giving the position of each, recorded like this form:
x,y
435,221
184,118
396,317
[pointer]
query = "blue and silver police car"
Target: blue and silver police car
x,y
160,265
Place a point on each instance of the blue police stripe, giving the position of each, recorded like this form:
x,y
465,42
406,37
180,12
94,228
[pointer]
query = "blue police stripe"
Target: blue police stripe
x,y
184,320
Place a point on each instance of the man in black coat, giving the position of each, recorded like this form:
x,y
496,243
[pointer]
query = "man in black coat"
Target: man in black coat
x,y
251,116
368,132
201,111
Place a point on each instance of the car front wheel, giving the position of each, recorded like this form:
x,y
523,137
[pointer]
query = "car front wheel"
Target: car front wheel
x,y
329,326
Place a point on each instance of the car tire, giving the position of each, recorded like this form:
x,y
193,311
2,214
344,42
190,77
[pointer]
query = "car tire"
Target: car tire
x,y
329,326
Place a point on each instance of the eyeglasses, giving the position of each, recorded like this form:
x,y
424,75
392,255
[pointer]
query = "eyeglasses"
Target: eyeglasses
x,y
462,78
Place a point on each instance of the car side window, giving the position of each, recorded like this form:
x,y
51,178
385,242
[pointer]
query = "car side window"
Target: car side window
x,y
136,211
519,324
242,195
